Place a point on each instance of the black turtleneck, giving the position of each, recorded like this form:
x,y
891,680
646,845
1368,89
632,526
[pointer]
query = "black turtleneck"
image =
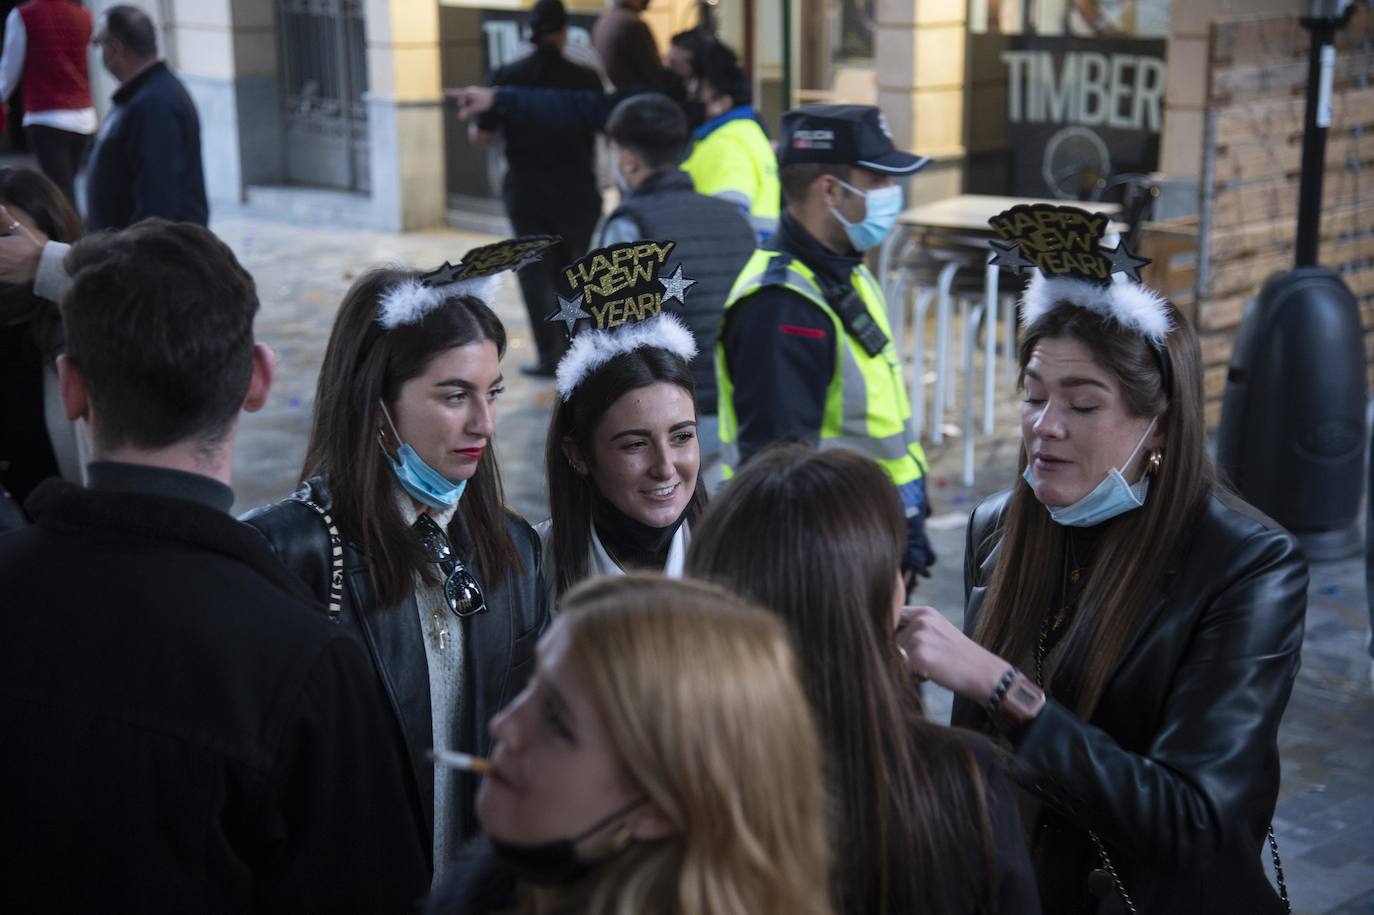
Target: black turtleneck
x,y
1080,550
780,348
632,544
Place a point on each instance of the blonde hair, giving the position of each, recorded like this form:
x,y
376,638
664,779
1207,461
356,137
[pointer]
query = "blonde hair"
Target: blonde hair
x,y
700,695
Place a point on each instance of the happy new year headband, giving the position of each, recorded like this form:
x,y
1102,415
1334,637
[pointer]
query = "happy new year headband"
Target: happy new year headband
x,y
1064,245
620,295
476,275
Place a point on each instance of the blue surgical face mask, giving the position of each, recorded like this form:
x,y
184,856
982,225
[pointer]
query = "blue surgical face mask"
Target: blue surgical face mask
x,y
1112,497
621,181
883,205
421,482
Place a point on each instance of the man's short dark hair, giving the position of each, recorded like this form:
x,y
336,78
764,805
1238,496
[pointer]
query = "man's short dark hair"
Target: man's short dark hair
x,y
159,320
796,179
132,27
719,68
652,126
547,17
694,41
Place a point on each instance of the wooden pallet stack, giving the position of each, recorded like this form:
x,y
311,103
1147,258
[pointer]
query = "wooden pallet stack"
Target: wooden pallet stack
x,y
1213,264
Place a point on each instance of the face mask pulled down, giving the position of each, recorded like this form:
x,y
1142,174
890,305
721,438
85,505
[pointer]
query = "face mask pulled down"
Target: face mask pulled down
x,y
1112,497
555,863
421,482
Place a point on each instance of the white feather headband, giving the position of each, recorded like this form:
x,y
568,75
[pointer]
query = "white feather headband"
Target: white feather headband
x,y
1134,306
592,349
410,300
477,275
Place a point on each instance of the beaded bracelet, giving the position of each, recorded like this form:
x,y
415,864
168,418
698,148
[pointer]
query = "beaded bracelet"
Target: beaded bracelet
x,y
996,698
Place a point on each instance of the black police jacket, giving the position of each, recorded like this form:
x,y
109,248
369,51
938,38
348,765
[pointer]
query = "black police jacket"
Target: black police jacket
x,y
1178,770
499,643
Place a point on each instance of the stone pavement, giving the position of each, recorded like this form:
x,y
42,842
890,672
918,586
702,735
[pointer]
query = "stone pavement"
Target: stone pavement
x,y
1325,819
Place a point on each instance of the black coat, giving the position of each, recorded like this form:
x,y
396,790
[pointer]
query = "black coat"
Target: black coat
x,y
146,161
180,734
499,643
1178,770
549,167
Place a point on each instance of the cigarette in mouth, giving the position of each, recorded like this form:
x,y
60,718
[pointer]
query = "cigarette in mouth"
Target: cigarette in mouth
x,y
464,761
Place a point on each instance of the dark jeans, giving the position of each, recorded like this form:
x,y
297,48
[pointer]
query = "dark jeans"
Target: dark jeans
x,y
60,154
540,215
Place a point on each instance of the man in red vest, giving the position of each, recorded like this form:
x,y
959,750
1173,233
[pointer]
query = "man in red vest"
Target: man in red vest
x,y
46,45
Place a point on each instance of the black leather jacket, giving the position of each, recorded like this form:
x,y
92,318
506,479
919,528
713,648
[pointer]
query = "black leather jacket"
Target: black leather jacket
x,y
499,643
1178,770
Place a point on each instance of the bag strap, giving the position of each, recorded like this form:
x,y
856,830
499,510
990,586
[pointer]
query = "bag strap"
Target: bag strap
x,y
335,559
1130,906
1278,870
844,300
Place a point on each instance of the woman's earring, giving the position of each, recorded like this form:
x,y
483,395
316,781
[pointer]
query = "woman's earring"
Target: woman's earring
x,y
1153,460
621,838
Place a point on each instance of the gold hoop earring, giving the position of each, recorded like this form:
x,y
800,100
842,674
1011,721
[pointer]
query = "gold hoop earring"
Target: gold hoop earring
x,y
1153,462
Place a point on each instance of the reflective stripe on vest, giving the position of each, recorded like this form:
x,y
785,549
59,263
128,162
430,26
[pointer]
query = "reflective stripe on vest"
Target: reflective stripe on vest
x,y
736,163
866,405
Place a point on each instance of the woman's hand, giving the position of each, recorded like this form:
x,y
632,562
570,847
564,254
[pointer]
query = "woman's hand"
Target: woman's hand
x,y
936,650
20,249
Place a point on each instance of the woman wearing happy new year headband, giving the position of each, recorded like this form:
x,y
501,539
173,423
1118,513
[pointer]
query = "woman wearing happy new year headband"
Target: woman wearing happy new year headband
x,y
1133,629
622,456
437,578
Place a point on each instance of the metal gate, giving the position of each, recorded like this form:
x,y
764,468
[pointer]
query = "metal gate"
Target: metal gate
x,y
324,76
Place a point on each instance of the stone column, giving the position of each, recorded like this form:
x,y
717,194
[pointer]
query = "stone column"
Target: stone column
x,y
225,53
405,114
920,64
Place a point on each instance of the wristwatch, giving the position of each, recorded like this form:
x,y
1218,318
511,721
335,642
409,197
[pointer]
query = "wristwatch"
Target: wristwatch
x,y
1016,705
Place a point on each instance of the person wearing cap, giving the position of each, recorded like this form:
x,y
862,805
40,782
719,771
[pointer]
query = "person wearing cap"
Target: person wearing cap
x,y
732,158
550,185
805,352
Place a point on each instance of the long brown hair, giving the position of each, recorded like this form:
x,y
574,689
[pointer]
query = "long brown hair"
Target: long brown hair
x,y
725,751
52,213
364,365
1027,577
818,537
570,492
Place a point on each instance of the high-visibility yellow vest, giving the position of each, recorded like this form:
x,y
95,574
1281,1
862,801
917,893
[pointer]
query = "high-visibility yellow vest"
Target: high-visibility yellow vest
x,y
866,406
735,162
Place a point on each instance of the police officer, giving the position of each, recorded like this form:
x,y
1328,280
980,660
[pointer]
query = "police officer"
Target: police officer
x,y
732,158
805,351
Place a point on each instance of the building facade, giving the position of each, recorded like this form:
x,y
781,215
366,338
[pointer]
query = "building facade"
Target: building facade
x,y
335,108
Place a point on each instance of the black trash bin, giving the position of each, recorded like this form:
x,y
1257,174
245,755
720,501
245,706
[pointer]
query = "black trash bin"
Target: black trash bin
x,y
1292,433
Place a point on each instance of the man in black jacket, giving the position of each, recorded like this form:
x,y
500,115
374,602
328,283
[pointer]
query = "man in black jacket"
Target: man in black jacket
x,y
550,185
648,134
181,732
146,160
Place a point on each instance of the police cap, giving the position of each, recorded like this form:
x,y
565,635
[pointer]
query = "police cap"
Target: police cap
x,y
843,134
